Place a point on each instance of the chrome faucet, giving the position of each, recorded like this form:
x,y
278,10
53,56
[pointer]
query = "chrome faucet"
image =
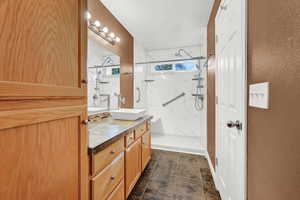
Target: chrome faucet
x,y
121,100
96,98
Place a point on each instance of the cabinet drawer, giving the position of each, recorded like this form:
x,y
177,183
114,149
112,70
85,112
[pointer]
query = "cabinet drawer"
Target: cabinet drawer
x,y
106,156
104,183
129,138
118,193
140,130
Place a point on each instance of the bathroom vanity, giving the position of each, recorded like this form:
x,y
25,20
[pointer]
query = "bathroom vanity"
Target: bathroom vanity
x,y
119,151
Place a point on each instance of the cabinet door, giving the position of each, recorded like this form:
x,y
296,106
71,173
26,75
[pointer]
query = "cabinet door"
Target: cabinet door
x,y
146,149
43,142
42,51
44,160
133,166
118,193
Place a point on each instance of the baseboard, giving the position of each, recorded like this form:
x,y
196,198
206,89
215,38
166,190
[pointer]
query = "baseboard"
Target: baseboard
x,y
212,170
180,150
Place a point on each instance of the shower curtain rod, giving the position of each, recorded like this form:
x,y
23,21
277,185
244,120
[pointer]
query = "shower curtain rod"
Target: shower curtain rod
x,y
153,62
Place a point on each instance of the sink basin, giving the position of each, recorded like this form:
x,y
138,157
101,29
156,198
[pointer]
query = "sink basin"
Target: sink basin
x,y
128,114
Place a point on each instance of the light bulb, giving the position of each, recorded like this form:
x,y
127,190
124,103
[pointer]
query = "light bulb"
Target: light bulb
x,y
88,15
112,35
105,30
118,39
97,23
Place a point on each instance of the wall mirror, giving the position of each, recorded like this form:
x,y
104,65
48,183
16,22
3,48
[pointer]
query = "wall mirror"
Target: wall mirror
x,y
103,77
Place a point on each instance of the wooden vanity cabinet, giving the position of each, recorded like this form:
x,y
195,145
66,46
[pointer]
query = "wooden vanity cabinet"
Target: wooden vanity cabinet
x,y
107,180
117,167
133,165
118,193
146,149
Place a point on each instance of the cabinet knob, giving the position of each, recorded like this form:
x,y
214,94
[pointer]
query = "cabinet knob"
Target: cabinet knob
x,y
84,81
112,178
85,122
113,151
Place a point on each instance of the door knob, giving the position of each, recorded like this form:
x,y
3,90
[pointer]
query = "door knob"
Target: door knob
x,y
237,124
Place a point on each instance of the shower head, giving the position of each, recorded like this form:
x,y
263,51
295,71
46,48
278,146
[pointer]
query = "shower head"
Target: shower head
x,y
180,53
107,60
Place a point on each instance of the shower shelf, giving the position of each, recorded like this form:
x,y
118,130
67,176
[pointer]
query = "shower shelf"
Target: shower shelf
x,y
197,79
149,81
198,95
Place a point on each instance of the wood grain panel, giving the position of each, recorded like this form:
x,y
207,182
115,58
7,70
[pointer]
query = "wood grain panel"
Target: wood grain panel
x,y
124,49
24,104
11,90
211,109
119,193
146,149
104,184
43,100
211,89
103,158
41,161
133,165
211,39
129,138
140,130
15,118
39,41
273,134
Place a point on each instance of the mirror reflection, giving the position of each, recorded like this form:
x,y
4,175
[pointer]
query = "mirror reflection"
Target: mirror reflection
x,y
103,77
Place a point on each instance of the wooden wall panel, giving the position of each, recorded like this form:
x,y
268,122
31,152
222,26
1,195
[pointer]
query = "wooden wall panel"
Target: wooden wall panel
x,y
211,29
211,90
211,109
124,49
274,134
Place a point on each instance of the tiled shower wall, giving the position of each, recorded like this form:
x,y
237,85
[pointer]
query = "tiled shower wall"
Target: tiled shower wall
x,y
96,56
179,118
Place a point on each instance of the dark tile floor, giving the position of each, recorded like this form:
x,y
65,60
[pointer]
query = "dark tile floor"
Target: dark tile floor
x,y
175,176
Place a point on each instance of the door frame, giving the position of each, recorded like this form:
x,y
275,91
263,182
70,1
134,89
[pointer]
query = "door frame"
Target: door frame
x,y
245,124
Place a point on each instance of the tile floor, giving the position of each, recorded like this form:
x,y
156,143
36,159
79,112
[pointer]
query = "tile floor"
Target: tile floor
x,y
175,176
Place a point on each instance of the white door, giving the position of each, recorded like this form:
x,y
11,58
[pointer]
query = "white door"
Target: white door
x,y
232,103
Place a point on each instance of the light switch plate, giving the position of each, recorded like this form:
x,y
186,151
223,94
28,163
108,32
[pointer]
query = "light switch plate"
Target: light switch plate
x,y
259,95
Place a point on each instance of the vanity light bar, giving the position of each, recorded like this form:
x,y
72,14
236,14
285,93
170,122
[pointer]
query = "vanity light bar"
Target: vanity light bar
x,y
103,32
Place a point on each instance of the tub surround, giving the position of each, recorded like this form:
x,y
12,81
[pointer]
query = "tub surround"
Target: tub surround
x,y
104,132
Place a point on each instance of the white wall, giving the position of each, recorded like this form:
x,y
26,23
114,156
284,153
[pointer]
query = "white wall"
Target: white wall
x,y
96,55
140,72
